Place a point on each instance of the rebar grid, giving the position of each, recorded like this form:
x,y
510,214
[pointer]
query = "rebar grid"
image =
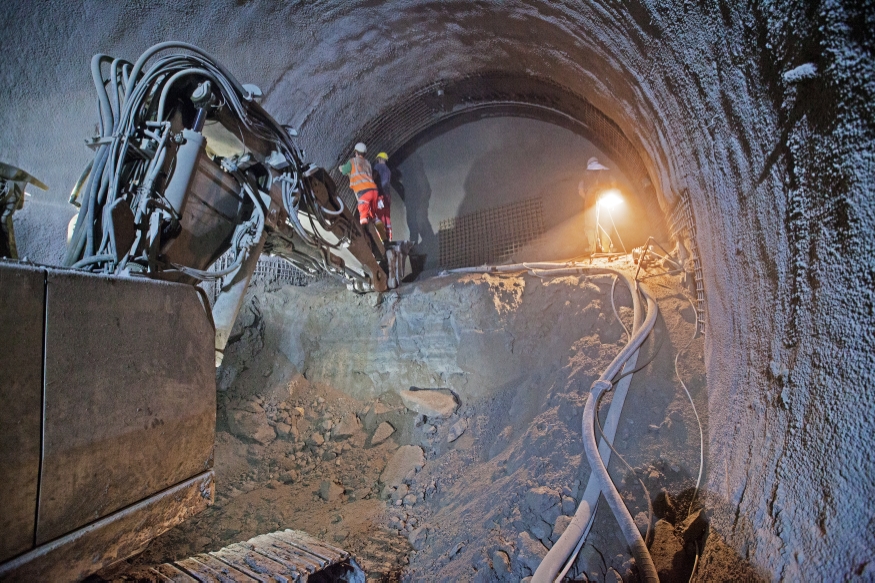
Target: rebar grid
x,y
267,270
490,235
683,226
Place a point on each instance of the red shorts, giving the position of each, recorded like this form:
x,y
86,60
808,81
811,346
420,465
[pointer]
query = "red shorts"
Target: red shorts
x,y
367,206
384,215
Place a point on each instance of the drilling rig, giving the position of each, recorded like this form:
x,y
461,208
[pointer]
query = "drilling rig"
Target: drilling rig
x,y
107,378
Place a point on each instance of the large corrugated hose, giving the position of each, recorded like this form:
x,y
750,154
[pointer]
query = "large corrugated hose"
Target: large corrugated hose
x,y
600,481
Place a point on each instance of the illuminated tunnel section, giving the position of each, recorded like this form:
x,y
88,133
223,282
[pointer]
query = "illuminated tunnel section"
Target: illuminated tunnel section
x,y
438,107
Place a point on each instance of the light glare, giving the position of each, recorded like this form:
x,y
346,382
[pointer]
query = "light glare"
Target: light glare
x,y
611,199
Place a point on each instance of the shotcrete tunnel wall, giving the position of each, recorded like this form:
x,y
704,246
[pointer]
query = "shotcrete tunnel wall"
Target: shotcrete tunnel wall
x,y
777,161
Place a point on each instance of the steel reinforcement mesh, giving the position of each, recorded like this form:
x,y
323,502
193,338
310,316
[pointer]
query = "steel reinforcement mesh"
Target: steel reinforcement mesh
x,y
683,227
491,235
268,270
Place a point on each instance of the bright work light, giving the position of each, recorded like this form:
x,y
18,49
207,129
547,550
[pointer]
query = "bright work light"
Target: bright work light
x,y
610,198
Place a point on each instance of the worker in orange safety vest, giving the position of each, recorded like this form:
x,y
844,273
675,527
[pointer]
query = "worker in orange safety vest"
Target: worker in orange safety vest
x,y
361,181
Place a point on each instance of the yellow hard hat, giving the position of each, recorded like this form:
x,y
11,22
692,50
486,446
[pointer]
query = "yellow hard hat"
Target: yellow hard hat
x,y
382,156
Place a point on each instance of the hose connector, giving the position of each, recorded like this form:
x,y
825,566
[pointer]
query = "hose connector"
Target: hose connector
x,y
600,386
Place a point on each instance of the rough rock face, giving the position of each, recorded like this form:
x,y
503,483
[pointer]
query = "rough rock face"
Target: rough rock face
x,y
760,110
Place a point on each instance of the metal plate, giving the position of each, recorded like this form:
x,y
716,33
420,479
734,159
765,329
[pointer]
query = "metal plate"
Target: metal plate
x,y
130,397
21,354
114,538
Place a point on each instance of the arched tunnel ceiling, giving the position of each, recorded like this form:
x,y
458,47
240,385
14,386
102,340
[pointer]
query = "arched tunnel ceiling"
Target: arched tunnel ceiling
x,y
410,121
777,161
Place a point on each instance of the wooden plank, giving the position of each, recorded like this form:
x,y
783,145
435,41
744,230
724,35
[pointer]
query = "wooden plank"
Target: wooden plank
x,y
203,573
225,568
174,574
286,555
256,565
313,561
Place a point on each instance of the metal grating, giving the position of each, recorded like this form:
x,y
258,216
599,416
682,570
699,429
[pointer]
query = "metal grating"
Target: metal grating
x,y
267,270
491,235
683,225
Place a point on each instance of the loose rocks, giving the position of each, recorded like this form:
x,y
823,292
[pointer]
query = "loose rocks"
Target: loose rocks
x,y
431,403
501,562
382,433
418,537
349,425
693,527
251,426
530,551
330,491
543,503
559,527
456,430
407,459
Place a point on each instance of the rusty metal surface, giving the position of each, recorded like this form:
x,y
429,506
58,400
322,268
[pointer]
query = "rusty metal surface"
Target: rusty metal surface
x,y
287,555
114,538
21,355
129,396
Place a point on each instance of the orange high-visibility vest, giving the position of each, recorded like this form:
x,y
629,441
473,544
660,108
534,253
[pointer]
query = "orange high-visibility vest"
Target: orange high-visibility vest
x,y
361,177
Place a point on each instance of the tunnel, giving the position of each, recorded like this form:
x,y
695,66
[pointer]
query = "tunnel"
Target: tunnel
x,y
757,118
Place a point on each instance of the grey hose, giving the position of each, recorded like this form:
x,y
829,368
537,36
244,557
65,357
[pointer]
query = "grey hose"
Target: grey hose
x,y
576,531
571,540
615,502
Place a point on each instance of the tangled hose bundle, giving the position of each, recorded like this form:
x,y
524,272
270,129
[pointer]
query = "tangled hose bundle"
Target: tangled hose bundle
x,y
136,103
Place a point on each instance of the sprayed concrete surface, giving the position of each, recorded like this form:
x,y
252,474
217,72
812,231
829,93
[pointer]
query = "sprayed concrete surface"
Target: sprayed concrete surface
x,y
762,111
314,433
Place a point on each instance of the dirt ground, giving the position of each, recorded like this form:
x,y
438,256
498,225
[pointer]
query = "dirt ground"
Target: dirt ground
x,y
314,377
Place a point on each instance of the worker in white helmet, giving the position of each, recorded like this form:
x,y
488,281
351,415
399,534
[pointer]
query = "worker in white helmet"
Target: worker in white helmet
x,y
361,181
596,179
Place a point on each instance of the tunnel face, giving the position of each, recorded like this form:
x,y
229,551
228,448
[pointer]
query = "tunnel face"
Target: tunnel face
x,y
760,112
472,167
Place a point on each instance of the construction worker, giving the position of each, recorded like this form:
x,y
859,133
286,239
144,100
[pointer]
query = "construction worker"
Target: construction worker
x,y
384,202
12,183
361,181
596,179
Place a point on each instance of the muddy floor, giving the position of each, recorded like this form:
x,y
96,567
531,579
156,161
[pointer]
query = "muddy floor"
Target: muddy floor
x,y
474,476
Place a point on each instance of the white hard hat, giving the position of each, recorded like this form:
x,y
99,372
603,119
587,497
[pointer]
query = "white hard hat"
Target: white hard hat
x,y
593,164
361,148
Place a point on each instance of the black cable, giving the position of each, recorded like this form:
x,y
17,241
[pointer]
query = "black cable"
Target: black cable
x,y
650,359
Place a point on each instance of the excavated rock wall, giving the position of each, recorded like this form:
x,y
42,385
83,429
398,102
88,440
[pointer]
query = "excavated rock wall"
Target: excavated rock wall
x,y
762,111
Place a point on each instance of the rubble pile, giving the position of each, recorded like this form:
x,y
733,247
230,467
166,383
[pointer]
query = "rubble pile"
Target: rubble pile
x,y
442,469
